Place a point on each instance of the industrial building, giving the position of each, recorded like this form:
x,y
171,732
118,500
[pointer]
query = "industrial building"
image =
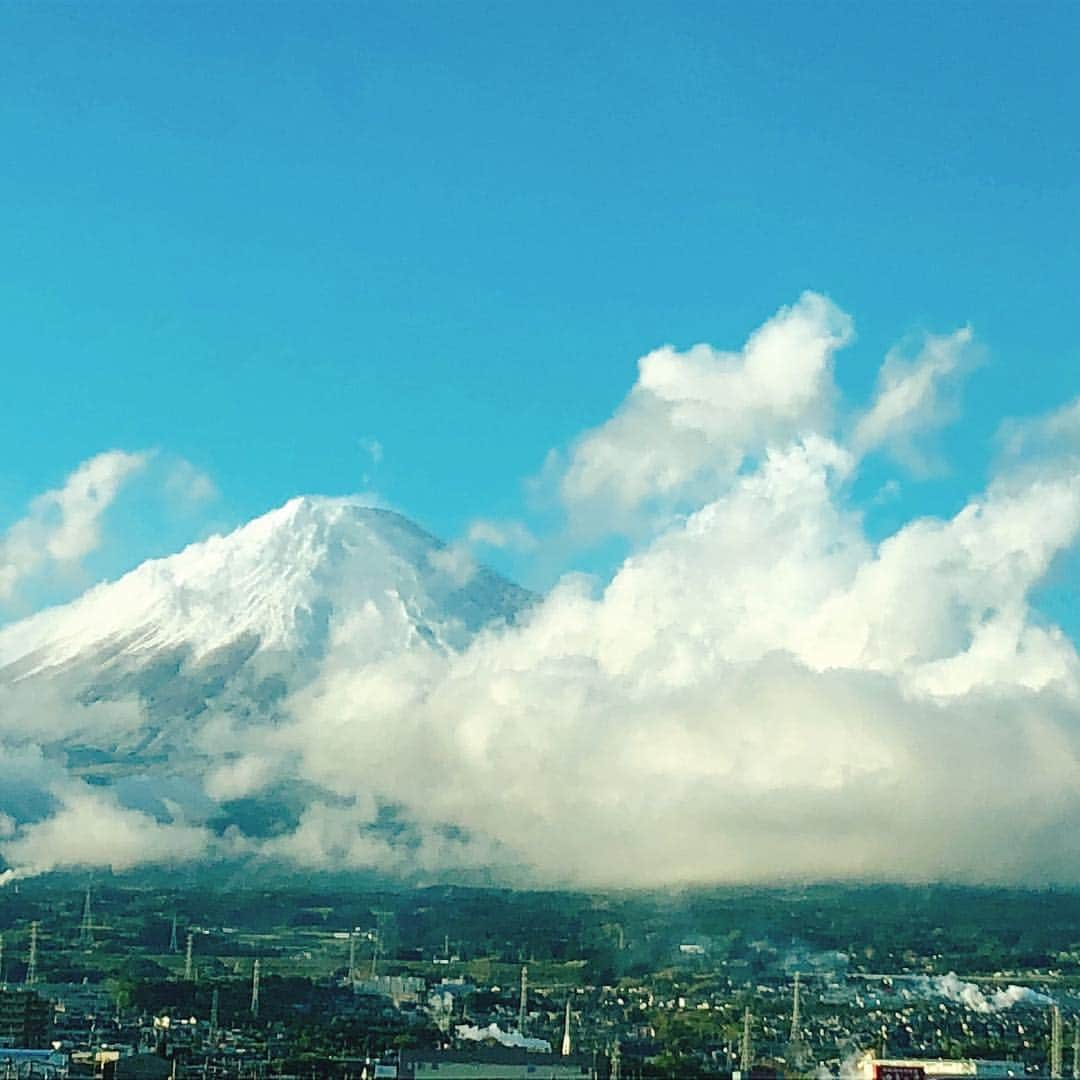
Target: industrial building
x,y
873,1068
401,989
493,1063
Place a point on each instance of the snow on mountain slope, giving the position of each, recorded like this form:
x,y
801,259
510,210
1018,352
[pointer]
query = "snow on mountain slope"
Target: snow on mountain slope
x,y
285,583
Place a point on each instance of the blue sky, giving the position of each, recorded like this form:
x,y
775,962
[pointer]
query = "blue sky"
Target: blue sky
x,y
258,236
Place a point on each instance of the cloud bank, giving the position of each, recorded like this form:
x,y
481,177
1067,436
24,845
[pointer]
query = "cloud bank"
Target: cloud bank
x,y
761,691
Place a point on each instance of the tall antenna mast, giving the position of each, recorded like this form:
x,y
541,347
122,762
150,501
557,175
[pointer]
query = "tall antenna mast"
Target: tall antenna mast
x,y
255,988
31,963
189,967
86,927
566,1031
173,946
1055,1043
523,1006
746,1050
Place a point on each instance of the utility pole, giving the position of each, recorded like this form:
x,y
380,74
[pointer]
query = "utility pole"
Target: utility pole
x,y
746,1050
31,963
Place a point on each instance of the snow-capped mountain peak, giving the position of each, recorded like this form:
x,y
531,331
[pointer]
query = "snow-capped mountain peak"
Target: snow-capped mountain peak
x,y
285,582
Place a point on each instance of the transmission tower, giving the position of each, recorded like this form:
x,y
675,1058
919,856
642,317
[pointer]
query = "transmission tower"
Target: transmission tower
x,y
566,1031
352,957
616,1061
523,1005
214,1002
173,945
795,1035
1055,1043
31,963
796,1048
3,979
1076,1048
746,1050
86,927
189,966
255,988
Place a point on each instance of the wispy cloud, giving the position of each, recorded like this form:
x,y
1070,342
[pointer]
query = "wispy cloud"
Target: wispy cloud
x,y
63,526
916,396
187,485
510,535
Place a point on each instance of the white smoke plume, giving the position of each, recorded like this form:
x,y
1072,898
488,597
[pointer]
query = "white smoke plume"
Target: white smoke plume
x,y
494,1033
953,988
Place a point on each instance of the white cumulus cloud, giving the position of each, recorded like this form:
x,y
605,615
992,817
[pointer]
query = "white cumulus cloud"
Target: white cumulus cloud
x,y
693,417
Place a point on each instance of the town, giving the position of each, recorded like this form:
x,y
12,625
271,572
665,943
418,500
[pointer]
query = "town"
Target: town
x,y
122,978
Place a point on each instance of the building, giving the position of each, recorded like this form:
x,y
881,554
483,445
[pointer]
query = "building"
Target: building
x,y
870,1067
138,1067
401,989
492,1063
33,1064
24,1019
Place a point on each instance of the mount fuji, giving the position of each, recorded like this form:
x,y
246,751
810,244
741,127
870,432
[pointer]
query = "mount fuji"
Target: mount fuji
x,y
236,622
